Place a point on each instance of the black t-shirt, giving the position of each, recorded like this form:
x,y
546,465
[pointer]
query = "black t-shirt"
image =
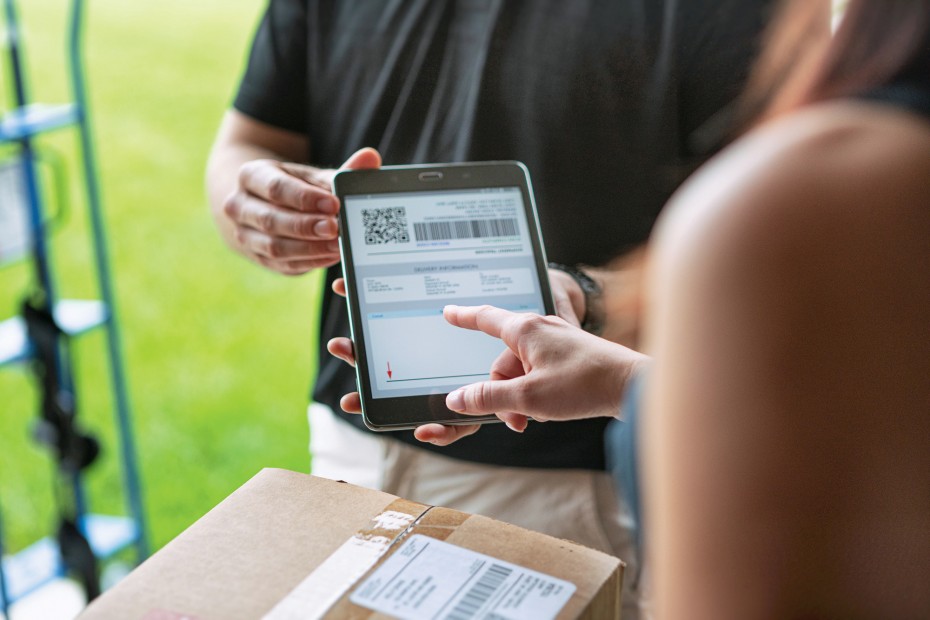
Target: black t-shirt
x,y
600,99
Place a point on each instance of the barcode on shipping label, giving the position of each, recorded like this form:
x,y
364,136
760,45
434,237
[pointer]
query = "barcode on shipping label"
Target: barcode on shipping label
x,y
429,578
465,229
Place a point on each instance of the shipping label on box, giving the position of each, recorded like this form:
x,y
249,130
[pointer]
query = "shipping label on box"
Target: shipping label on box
x,y
427,578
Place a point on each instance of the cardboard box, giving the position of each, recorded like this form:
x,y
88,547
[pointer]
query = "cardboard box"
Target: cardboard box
x,y
288,545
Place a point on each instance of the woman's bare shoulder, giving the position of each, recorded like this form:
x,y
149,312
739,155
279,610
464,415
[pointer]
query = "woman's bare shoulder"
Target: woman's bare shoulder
x,y
790,303
829,179
808,242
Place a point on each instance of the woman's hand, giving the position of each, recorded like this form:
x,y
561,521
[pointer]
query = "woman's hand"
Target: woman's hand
x,y
551,370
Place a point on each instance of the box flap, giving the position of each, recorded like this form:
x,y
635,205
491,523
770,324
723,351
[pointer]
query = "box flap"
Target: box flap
x,y
247,553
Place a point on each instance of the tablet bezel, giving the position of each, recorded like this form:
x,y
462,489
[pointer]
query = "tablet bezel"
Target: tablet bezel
x,y
387,414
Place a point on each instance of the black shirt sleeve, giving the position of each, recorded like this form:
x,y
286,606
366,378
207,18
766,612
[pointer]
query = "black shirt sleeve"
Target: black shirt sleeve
x,y
273,89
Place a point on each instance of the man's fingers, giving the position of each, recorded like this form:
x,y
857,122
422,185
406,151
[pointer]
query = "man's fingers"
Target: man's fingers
x,y
363,159
488,397
351,403
287,250
514,421
343,349
339,286
268,180
321,177
278,221
295,267
567,305
440,435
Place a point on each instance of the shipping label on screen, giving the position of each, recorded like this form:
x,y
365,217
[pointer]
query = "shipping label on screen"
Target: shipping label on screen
x,y
415,253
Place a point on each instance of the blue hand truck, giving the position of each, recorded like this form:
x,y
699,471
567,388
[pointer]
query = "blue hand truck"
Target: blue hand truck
x,y
41,337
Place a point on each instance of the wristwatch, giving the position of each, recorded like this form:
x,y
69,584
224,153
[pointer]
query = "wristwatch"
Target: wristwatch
x,y
593,321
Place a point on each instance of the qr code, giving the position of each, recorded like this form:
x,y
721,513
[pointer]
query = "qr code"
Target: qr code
x,y
385,225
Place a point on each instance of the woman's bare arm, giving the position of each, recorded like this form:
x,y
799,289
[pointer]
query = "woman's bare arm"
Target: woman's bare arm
x,y
786,427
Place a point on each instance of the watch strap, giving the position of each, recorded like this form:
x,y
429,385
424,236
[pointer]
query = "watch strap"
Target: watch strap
x,y
593,320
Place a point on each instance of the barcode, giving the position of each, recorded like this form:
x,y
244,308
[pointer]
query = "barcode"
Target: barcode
x,y
465,229
480,593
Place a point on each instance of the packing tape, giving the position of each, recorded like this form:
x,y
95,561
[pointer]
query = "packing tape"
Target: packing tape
x,y
328,584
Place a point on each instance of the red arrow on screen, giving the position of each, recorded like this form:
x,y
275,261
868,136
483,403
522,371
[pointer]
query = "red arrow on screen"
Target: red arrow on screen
x,y
390,372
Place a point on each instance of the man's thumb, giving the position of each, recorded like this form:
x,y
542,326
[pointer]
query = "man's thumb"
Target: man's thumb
x,y
363,159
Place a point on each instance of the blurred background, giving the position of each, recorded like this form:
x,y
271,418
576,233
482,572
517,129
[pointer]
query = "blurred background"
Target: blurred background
x,y
218,353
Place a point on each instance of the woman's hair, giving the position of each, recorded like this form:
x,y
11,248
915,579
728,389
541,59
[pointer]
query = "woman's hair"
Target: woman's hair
x,y
877,42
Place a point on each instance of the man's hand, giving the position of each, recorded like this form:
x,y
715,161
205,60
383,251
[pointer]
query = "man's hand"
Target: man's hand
x,y
568,297
284,214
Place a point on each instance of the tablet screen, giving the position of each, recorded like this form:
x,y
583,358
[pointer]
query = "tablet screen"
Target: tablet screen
x,y
413,254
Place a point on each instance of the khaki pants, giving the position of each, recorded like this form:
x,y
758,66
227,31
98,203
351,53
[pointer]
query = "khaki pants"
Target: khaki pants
x,y
574,504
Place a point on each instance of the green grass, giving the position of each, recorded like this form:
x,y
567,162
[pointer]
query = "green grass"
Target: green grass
x,y
218,353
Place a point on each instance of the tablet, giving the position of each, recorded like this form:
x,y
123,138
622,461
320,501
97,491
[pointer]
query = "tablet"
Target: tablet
x,y
413,240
